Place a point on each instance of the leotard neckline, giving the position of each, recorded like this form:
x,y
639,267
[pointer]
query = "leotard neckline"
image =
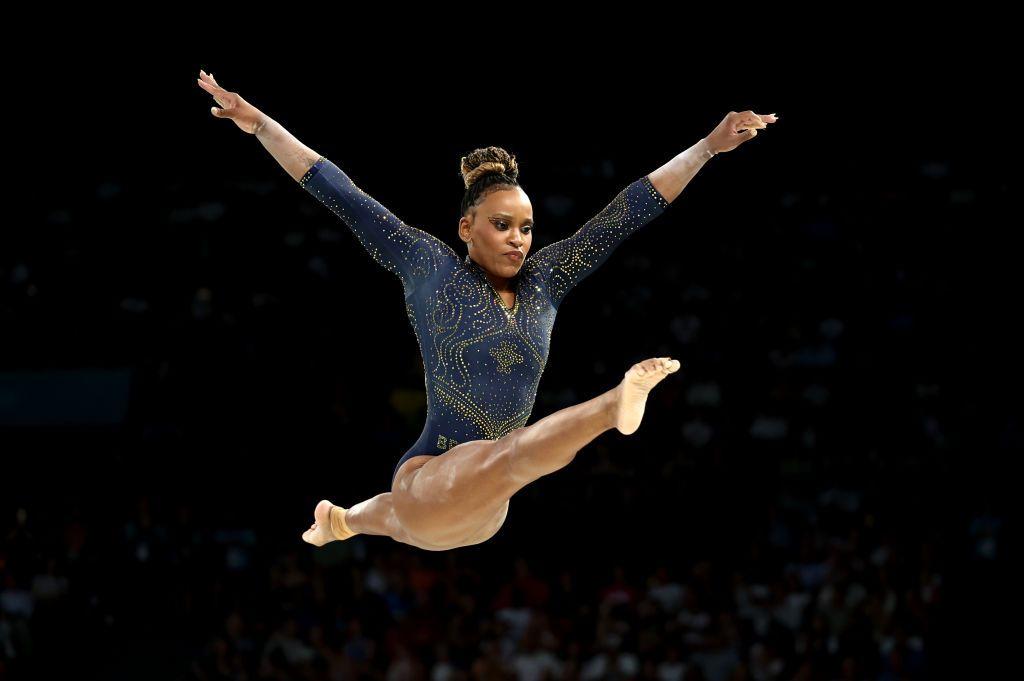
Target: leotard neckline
x,y
510,311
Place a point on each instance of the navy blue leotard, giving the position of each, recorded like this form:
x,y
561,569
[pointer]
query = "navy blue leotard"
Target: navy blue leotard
x,y
483,360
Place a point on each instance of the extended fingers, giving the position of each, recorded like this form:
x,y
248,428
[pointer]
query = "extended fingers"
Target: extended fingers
x,y
752,123
748,120
212,89
207,80
751,120
220,95
762,119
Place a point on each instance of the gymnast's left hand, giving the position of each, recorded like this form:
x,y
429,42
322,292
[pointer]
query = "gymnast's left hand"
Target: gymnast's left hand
x,y
736,128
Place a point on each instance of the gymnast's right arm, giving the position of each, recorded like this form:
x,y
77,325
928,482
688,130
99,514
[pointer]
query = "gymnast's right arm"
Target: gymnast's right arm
x,y
294,156
410,253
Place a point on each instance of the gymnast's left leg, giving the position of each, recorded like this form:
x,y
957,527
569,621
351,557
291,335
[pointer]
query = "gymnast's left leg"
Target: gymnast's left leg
x,y
373,516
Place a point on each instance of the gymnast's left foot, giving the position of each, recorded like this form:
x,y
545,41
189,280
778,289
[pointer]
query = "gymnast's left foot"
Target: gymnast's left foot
x,y
329,526
631,394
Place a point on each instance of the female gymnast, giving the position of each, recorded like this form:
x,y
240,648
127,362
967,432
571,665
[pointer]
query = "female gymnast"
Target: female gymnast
x,y
483,324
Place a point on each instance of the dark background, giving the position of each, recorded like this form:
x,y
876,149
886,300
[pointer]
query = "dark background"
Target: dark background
x,y
195,351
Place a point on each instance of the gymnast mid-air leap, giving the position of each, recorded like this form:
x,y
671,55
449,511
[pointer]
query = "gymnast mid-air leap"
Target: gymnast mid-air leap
x,y
483,323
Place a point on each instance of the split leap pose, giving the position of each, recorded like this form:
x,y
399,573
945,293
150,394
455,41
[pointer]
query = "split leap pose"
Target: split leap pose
x,y
483,324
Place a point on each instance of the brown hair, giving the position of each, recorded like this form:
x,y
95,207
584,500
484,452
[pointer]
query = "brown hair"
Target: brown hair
x,y
485,170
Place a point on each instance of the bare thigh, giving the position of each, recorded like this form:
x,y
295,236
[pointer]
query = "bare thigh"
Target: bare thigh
x,y
490,528
457,497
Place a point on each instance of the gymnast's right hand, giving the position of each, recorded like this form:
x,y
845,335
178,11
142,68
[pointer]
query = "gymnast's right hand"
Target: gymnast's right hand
x,y
245,115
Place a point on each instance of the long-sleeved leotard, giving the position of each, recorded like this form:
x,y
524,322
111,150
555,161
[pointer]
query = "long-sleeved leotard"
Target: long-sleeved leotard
x,y
483,360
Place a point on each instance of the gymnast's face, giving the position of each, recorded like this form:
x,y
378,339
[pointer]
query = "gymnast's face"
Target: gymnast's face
x,y
503,222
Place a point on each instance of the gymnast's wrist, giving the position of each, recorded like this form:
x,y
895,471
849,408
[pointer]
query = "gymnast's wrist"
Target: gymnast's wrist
x,y
706,149
262,121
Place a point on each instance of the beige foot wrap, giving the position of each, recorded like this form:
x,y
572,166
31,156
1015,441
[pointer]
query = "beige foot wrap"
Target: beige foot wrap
x,y
338,526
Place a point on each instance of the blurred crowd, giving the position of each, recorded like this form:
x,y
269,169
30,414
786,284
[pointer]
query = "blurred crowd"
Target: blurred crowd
x,y
819,587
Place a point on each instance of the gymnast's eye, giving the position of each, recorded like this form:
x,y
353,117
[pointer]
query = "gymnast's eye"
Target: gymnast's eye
x,y
502,225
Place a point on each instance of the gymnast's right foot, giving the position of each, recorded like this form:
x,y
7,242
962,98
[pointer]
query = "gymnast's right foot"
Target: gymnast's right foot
x,y
329,526
632,392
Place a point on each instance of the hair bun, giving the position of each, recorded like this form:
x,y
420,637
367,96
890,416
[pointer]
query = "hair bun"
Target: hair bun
x,y
487,160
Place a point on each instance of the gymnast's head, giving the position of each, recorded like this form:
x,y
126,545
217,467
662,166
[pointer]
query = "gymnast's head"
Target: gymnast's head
x,y
497,216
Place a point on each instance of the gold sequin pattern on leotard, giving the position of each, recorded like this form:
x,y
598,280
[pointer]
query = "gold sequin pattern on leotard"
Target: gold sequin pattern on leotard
x,y
410,253
568,261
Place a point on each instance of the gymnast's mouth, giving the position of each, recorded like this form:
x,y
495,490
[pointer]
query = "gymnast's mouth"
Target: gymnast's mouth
x,y
515,255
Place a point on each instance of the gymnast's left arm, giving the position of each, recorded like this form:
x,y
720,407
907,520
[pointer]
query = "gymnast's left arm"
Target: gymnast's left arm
x,y
735,129
565,263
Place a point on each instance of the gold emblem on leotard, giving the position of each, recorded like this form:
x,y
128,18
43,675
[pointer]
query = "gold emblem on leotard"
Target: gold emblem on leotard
x,y
506,356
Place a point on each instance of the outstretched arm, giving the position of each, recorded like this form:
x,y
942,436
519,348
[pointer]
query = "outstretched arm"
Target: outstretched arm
x,y
294,156
410,253
734,130
565,263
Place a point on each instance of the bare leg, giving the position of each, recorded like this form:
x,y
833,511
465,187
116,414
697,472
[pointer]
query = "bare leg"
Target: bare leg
x,y
374,516
553,442
454,495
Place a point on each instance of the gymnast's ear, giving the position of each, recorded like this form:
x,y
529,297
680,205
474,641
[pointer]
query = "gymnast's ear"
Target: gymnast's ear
x,y
465,228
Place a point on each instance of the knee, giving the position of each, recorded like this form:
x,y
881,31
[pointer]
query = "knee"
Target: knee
x,y
513,439
509,451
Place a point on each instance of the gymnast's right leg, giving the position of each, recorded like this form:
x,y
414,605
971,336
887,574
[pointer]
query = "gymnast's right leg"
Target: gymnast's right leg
x,y
376,516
